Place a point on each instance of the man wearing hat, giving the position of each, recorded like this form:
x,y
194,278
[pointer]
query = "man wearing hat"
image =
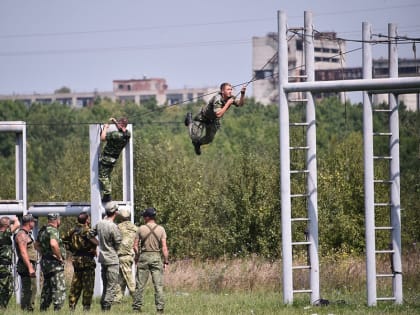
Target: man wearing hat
x,y
7,228
150,241
53,254
109,238
126,253
26,265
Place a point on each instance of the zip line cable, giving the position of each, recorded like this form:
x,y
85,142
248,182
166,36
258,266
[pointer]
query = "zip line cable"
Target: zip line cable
x,y
401,39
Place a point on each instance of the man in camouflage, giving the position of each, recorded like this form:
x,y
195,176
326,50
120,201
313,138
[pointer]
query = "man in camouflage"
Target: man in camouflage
x,y
53,254
7,228
149,242
83,247
116,136
126,254
109,237
26,265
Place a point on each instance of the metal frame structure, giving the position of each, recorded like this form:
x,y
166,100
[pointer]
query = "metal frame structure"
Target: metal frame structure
x,y
368,86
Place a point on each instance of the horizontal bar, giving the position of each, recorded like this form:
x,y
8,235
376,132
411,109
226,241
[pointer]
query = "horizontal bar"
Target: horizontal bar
x,y
302,291
301,267
385,275
385,251
298,124
12,126
299,148
382,134
298,195
383,157
386,84
381,110
299,171
384,228
11,208
382,204
296,100
299,219
383,181
385,298
301,243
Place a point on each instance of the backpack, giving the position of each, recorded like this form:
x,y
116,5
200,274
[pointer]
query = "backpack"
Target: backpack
x,y
77,241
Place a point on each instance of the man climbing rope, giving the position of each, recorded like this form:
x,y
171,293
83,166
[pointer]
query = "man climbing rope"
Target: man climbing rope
x,y
208,119
116,139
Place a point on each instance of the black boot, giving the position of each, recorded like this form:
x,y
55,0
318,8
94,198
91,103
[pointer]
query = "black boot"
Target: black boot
x,y
188,119
106,198
197,148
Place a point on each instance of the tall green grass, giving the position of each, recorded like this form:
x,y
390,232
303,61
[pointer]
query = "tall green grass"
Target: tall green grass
x,y
254,286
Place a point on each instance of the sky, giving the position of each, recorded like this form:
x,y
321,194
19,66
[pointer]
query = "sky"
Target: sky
x,y
86,44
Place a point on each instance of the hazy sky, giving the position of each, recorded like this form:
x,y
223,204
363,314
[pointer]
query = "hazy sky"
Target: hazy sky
x,y
85,44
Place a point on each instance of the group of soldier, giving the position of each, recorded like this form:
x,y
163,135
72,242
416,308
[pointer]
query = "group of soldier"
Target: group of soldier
x,y
121,244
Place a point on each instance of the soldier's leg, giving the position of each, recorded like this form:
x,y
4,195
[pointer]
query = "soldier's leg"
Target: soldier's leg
x,y
104,176
196,130
156,269
112,283
58,289
28,293
76,287
46,293
126,272
211,130
88,285
5,282
142,276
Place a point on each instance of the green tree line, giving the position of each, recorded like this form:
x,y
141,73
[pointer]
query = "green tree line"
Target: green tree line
x,y
225,202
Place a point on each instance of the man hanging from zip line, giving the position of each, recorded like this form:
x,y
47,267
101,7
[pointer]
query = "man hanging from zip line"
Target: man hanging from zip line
x,y
208,119
116,140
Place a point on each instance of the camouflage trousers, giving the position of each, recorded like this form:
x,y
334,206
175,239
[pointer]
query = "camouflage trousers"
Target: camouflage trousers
x,y
109,274
197,128
83,281
6,285
28,292
106,165
149,263
126,277
53,290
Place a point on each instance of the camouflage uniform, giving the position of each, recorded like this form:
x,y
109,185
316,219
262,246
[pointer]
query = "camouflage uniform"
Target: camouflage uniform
x,y
115,143
150,261
84,251
6,277
126,257
206,120
109,241
28,291
54,286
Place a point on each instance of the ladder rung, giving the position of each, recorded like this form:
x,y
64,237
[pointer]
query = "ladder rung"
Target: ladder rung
x,y
298,100
385,251
302,291
301,267
385,275
301,243
382,134
299,171
299,148
298,195
298,76
383,181
382,204
382,110
386,298
299,219
384,228
377,157
298,124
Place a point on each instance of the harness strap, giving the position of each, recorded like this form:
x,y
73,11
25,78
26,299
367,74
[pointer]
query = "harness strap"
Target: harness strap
x,y
152,232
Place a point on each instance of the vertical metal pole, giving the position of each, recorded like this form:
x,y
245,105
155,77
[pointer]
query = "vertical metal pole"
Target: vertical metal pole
x,y
21,167
395,169
128,174
311,161
369,171
95,194
284,161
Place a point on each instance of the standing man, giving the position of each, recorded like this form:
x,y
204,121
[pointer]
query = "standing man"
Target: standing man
x,y
83,247
149,243
7,228
126,254
116,138
208,119
109,242
53,254
26,265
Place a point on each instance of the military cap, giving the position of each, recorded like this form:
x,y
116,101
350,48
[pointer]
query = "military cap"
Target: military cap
x,y
111,207
53,216
149,212
125,213
28,218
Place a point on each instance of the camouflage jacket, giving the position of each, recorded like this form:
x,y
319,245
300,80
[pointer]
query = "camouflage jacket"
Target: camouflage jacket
x,y
48,262
115,143
6,247
77,240
208,112
128,233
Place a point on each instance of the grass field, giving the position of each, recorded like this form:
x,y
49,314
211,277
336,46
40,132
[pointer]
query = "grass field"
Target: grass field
x,y
253,286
